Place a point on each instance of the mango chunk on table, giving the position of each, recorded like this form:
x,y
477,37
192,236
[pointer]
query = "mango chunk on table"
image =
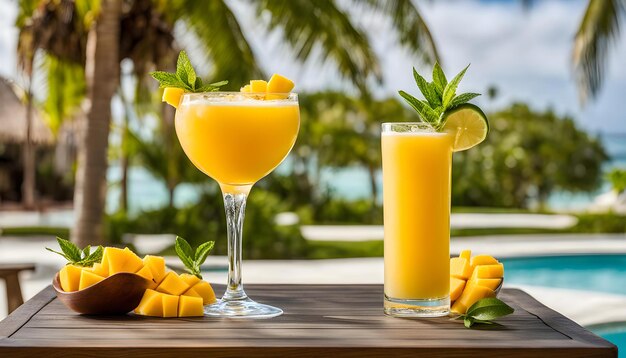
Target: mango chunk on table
x,y
472,279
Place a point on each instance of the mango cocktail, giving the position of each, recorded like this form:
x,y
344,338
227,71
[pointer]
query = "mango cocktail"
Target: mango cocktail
x,y
417,167
236,140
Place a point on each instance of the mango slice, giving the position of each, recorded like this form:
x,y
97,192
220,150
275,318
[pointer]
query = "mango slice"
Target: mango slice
x,y
192,293
170,305
190,306
460,268
189,279
258,86
88,278
156,265
172,96
456,288
172,285
70,277
205,290
100,269
483,260
279,84
146,273
491,283
466,254
488,271
245,88
470,295
151,304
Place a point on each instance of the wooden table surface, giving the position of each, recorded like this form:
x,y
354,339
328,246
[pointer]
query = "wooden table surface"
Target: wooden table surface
x,y
319,321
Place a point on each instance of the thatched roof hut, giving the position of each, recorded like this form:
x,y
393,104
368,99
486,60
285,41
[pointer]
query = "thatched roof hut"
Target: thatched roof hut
x,y
13,119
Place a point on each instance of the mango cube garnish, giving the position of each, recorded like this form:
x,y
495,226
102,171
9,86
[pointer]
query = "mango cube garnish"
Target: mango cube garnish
x,y
190,306
172,285
278,87
472,279
172,96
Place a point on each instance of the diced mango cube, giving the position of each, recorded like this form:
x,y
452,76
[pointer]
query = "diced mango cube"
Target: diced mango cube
x,y
190,306
157,266
471,294
151,304
245,88
460,268
277,85
189,279
146,273
258,86
458,308
205,290
69,276
456,288
192,293
488,271
491,283
121,260
172,285
88,278
466,254
170,305
172,96
483,260
100,269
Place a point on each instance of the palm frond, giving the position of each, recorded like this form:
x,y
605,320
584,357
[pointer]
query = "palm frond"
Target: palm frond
x,y
597,31
215,28
409,25
306,25
66,88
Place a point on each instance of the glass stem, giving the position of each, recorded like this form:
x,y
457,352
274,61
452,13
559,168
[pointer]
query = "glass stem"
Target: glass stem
x,y
235,206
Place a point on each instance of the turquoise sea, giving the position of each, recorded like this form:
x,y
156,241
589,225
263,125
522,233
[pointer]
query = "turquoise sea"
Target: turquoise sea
x,y
146,192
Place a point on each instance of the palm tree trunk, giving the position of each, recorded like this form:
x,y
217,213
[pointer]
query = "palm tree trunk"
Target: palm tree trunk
x,y
371,169
102,74
28,185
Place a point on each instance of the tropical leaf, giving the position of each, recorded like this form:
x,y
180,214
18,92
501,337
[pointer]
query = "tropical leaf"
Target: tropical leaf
x,y
307,25
409,25
598,30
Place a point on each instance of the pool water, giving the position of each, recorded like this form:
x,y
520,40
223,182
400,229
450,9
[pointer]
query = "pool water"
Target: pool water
x,y
600,273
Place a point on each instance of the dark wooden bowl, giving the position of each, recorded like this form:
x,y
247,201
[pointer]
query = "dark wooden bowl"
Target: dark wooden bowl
x,y
115,295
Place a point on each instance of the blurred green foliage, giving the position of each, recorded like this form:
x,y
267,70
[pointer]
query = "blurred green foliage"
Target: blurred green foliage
x,y
617,178
527,155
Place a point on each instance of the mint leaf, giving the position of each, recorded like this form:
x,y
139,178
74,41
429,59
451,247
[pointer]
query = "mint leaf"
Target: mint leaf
x,y
439,78
428,91
183,250
462,98
202,252
422,108
185,77
76,256
488,309
450,90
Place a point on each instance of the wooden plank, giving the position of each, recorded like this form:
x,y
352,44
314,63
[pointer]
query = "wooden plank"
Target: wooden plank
x,y
319,320
25,312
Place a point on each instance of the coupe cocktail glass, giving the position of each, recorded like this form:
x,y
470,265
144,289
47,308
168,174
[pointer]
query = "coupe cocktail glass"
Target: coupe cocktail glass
x,y
237,139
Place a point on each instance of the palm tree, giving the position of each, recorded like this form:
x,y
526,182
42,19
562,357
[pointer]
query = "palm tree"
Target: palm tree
x,y
102,73
597,32
60,28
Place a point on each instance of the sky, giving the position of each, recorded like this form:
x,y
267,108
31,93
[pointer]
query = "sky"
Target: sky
x,y
525,53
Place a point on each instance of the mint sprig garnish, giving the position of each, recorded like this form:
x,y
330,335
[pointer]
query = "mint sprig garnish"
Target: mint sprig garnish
x,y
190,258
485,311
75,256
439,96
185,77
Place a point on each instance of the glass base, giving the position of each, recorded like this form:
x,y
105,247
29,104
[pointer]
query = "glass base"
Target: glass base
x,y
436,307
245,308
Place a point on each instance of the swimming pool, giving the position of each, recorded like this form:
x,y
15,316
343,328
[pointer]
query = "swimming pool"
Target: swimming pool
x,y
600,273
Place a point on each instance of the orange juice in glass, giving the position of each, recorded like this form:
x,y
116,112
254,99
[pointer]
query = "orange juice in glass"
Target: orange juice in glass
x,y
417,165
237,139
